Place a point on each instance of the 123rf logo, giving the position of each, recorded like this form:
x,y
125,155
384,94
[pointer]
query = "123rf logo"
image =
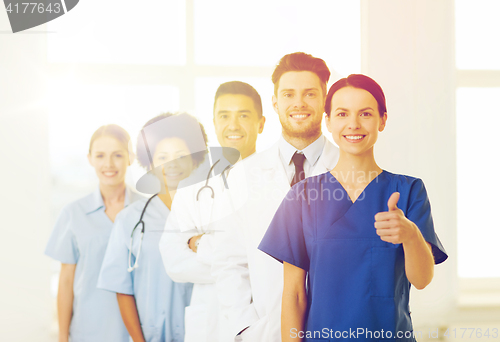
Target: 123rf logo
x,y
24,15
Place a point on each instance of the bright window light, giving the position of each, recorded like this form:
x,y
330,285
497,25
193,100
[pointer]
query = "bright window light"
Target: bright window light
x,y
120,32
260,32
477,34
77,110
477,184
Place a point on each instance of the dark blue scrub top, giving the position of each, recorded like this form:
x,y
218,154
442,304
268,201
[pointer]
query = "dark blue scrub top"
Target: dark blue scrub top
x,y
356,281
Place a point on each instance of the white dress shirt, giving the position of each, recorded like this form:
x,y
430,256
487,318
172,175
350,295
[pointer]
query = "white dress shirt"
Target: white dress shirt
x,y
312,153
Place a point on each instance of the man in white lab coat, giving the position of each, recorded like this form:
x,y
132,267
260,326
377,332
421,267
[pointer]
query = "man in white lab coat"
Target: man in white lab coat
x,y
187,242
249,282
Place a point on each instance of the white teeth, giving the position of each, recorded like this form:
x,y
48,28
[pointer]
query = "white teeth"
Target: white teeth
x,y
172,174
109,173
299,116
354,137
234,136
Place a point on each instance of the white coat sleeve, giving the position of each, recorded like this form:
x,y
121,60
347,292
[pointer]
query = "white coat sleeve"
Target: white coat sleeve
x,y
205,251
180,262
230,269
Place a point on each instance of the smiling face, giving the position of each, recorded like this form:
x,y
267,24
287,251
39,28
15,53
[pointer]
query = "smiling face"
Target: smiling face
x,y
237,123
299,102
110,159
355,121
175,157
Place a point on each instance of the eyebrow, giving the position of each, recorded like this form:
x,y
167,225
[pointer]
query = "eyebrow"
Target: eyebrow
x,y
117,151
172,152
239,111
346,110
293,90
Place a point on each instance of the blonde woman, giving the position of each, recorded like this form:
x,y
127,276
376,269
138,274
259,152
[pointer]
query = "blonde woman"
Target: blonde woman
x,y
79,241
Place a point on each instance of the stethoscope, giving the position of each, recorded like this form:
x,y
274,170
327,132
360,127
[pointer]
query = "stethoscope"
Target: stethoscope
x,y
206,186
141,222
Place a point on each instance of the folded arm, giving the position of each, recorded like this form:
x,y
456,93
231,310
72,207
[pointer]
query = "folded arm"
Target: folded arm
x,y
180,262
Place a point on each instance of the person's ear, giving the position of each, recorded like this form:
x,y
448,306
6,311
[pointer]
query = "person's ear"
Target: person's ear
x,y
131,154
131,158
262,121
328,122
275,104
324,102
89,158
383,121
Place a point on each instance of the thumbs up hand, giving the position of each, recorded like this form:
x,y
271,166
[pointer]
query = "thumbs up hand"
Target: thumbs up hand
x,y
392,203
393,226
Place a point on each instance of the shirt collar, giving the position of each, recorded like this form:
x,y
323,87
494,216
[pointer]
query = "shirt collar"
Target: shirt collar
x,y
222,165
225,165
312,152
96,202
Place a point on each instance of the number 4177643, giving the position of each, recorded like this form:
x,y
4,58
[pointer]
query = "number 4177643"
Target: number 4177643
x,y
34,7
471,333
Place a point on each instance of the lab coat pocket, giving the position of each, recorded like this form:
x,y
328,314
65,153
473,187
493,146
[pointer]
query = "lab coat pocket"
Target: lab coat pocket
x,y
151,334
383,262
257,331
196,323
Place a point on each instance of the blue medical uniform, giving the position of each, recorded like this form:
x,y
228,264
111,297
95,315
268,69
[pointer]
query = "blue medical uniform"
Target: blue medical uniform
x,y
80,237
160,301
355,280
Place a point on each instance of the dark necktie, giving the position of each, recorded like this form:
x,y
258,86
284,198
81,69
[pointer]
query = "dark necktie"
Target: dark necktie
x,y
298,161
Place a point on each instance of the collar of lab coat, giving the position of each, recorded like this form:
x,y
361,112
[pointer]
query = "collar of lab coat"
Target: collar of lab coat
x,y
222,164
96,202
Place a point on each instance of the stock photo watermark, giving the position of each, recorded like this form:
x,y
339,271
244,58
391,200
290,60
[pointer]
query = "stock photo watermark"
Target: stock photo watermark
x,y
367,334
24,15
310,192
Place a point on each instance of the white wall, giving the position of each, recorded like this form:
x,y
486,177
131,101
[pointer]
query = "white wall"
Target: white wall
x,y
409,50
25,302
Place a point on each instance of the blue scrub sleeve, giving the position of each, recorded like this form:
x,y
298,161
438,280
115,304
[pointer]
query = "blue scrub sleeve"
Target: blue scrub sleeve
x,y
284,239
114,275
419,212
62,244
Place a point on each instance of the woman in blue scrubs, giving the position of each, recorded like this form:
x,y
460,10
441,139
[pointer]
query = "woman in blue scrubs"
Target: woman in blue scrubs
x,y
152,305
360,235
79,240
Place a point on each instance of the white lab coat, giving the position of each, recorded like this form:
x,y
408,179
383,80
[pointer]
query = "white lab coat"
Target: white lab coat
x,y
190,217
249,282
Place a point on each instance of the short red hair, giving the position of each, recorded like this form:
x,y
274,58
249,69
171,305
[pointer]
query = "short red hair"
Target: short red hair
x,y
300,61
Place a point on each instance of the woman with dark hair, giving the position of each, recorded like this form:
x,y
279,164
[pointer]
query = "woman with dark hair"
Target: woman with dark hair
x,y
151,304
360,235
79,242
